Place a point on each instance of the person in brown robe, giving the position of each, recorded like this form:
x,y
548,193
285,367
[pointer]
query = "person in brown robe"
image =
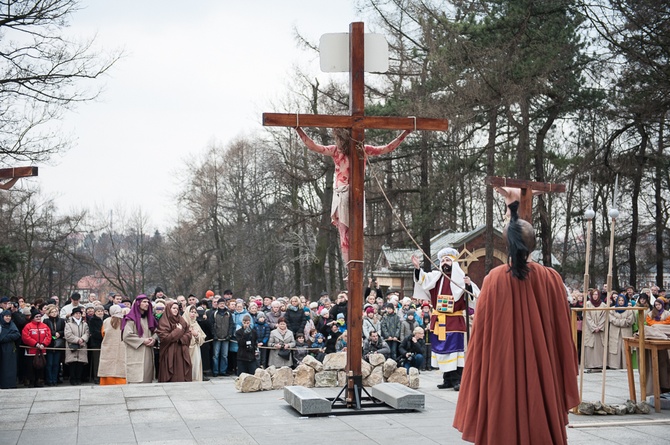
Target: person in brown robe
x,y
520,376
175,359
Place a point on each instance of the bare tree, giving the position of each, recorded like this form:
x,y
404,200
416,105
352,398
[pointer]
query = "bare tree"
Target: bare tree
x,y
42,73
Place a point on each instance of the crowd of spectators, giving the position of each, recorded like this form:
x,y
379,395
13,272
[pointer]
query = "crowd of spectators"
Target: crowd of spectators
x,y
156,337
591,325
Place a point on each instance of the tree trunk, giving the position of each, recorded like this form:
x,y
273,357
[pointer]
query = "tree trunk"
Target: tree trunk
x,y
658,204
635,217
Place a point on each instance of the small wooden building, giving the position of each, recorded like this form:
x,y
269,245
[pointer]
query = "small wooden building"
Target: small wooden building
x,y
394,266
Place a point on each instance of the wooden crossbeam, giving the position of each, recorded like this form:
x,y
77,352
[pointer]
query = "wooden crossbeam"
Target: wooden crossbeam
x,y
17,172
526,189
367,122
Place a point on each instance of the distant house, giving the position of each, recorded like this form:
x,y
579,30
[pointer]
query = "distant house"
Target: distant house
x,y
394,266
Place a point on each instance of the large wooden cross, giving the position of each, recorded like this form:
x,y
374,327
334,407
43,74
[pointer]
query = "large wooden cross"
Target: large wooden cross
x,y
14,174
357,122
527,188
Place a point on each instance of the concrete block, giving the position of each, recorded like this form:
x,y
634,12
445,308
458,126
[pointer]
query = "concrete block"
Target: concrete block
x,y
398,396
306,401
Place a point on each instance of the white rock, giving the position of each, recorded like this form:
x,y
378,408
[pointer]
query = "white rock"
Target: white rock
x,y
376,359
390,366
375,377
399,376
303,375
282,377
366,368
314,363
335,362
325,379
247,383
266,379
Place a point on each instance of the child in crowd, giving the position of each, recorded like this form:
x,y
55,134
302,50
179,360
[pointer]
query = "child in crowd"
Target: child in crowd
x,y
262,335
320,344
300,351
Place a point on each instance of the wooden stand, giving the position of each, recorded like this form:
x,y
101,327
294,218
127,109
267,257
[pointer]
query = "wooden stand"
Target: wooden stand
x,y
654,346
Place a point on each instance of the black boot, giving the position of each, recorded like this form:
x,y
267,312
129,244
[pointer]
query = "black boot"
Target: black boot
x,y
456,379
446,380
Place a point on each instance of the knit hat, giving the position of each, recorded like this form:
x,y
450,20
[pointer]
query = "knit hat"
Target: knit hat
x,y
313,305
209,294
34,312
390,305
323,312
261,315
340,316
116,311
369,310
75,310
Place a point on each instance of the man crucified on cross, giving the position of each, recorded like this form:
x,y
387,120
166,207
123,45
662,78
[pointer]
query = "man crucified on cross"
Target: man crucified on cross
x,y
340,153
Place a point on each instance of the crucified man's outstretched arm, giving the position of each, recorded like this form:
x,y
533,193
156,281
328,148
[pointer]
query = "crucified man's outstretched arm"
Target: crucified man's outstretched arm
x,y
9,184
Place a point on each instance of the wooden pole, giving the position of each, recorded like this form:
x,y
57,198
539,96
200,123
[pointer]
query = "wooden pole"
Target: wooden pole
x,y
587,279
357,170
622,423
607,298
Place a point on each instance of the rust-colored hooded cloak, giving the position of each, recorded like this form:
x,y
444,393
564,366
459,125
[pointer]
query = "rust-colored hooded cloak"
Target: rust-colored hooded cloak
x,y
175,359
520,376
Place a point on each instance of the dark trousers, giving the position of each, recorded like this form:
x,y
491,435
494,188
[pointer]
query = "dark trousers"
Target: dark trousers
x,y
248,367
53,366
36,376
76,371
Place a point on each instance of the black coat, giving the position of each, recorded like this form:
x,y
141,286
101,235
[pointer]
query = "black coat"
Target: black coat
x,y
8,336
246,351
331,341
407,345
95,329
295,321
56,325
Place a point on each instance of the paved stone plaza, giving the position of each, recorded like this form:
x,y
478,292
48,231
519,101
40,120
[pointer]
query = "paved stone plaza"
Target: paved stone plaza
x,y
215,413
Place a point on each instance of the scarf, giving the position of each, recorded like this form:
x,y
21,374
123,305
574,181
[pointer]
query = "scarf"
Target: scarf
x,y
136,316
2,318
77,320
597,301
625,304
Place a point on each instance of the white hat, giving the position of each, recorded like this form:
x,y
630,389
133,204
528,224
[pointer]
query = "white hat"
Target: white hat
x,y
447,251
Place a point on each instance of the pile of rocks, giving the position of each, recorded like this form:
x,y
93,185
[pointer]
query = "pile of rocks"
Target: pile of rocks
x,y
312,373
602,409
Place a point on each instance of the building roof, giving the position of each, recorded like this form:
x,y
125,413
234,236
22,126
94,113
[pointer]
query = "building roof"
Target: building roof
x,y
395,259
401,259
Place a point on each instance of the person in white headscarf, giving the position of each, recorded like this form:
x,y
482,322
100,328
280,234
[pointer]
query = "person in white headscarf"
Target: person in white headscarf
x,y
445,290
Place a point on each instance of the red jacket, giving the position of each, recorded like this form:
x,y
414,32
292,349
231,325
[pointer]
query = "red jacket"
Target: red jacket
x,y
34,333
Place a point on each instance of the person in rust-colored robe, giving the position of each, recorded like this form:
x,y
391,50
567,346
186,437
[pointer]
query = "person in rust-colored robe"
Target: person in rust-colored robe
x,y
520,376
175,359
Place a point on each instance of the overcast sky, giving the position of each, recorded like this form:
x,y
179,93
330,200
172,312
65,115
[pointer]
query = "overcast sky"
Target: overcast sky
x,y
193,73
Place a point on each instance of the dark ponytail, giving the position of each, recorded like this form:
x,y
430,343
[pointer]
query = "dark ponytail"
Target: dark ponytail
x,y
517,250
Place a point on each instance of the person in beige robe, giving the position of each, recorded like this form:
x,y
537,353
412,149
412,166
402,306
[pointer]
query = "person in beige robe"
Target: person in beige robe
x,y
621,325
197,339
138,334
593,331
112,368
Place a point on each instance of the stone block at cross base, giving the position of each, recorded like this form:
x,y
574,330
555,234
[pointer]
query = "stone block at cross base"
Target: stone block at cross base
x,y
376,359
376,377
398,396
303,375
282,377
399,376
325,379
314,363
335,362
306,401
266,379
247,383
390,366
